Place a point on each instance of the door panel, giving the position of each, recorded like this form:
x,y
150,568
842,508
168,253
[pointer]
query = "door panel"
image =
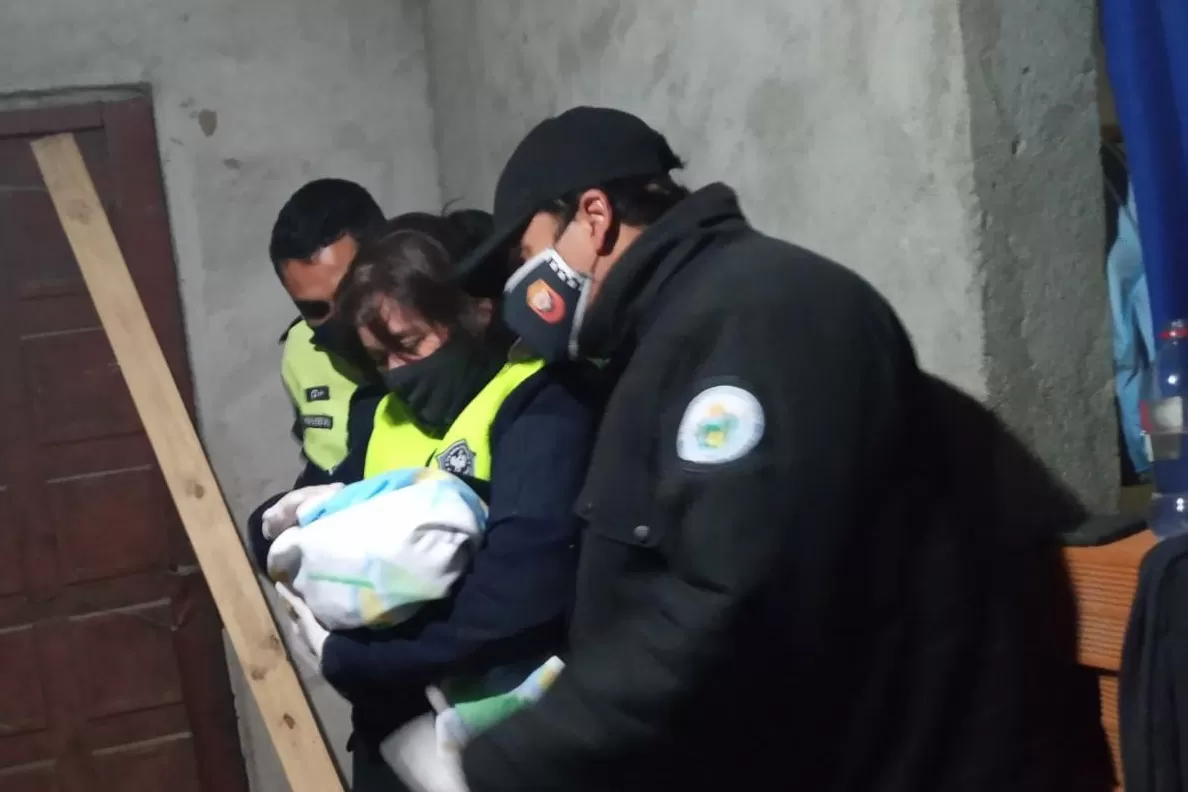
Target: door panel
x,y
114,676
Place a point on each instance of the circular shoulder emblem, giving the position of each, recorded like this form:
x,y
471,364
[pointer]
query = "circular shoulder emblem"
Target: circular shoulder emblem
x,y
721,424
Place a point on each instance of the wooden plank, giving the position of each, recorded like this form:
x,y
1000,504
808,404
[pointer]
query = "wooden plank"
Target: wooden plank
x,y
244,611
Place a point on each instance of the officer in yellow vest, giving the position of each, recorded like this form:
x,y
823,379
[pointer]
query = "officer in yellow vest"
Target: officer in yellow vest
x,y
465,447
496,418
313,241
330,377
324,363
324,367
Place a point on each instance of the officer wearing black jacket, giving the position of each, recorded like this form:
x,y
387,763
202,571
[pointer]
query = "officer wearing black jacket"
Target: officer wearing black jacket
x,y
771,593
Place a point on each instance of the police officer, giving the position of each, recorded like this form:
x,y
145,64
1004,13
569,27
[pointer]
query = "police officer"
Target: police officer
x,y
323,365
313,241
331,381
336,415
772,590
518,430
453,394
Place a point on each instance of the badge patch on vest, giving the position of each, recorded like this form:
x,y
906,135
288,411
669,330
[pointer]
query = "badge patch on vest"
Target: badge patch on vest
x,y
317,393
317,422
457,459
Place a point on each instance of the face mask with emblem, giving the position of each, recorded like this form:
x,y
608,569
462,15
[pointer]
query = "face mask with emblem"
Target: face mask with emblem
x,y
544,304
436,388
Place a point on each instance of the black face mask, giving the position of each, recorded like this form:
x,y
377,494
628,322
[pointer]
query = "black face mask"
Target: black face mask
x,y
436,389
544,301
342,340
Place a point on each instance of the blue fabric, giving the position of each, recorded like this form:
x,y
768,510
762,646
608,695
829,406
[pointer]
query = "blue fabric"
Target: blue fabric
x,y
1134,339
369,488
1146,45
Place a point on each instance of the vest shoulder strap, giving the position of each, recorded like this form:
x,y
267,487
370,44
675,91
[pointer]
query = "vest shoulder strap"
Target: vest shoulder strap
x,y
285,335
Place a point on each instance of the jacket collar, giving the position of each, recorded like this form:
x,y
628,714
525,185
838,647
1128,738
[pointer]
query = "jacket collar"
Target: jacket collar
x,y
627,300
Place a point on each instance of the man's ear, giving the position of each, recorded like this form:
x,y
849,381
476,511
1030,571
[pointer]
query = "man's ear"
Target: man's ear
x,y
594,208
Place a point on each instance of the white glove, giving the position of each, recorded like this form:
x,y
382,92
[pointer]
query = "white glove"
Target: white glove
x,y
284,514
412,753
303,625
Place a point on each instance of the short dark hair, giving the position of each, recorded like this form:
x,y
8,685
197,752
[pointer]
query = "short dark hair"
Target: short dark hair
x,y
413,261
319,214
636,200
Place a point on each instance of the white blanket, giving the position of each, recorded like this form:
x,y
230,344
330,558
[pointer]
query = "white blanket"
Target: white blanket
x,y
372,553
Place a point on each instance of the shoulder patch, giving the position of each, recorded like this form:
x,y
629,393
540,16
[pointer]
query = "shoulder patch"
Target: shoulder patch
x,y
721,424
457,459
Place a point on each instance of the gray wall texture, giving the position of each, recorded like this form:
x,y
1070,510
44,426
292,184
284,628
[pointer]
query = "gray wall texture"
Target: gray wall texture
x,y
251,100
945,149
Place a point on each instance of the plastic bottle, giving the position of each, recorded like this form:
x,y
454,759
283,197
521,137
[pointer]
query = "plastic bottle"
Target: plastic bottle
x,y
1166,431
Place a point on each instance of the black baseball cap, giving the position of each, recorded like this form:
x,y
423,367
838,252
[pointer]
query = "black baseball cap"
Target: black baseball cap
x,y
576,150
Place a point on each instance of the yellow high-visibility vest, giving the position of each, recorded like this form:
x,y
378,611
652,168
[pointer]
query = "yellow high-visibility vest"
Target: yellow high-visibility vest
x,y
465,449
320,386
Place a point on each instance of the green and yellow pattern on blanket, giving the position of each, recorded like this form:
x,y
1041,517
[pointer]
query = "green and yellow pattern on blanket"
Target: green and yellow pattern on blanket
x,y
456,725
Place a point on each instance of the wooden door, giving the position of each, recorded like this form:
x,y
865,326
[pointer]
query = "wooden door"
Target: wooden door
x,y
112,671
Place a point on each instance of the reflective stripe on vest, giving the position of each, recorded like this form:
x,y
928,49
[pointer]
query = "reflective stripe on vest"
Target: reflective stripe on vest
x,y
466,447
322,394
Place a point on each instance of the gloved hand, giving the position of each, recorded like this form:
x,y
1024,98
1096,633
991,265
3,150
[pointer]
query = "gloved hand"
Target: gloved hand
x,y
412,753
303,626
458,723
285,513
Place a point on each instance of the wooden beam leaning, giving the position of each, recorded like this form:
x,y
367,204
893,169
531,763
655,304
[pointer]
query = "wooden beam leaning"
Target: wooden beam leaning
x,y
271,678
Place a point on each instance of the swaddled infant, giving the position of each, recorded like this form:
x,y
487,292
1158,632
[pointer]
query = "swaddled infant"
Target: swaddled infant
x,y
371,553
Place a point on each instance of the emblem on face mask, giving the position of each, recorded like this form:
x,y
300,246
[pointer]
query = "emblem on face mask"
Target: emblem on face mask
x,y
457,459
545,302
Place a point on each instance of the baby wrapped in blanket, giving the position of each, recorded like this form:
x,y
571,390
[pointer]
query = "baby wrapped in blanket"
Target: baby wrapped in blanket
x,y
374,552
371,553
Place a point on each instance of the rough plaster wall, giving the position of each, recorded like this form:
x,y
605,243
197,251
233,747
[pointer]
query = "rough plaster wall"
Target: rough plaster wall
x,y
252,99
1036,130
846,127
749,94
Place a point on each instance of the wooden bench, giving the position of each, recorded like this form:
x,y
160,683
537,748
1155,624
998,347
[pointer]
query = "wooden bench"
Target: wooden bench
x,y
1104,579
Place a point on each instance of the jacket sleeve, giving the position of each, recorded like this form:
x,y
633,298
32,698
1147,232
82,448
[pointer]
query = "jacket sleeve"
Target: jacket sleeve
x,y
258,545
298,428
765,508
521,580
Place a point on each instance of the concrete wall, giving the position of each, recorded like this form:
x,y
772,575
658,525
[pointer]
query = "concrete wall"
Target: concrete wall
x,y
948,154
252,99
